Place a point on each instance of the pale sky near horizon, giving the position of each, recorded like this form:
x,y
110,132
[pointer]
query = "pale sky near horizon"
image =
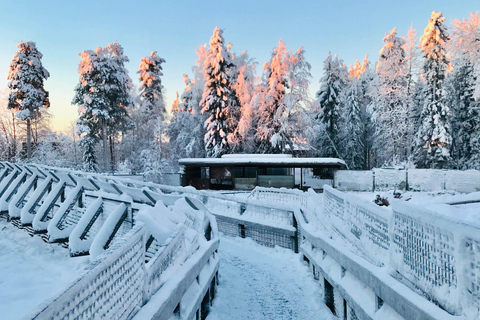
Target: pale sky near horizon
x,y
62,29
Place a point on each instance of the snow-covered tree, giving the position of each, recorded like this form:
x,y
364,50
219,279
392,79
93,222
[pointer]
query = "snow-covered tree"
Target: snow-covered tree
x,y
219,101
186,130
465,116
102,97
392,103
242,139
151,94
466,42
328,100
352,129
434,139
463,92
27,96
147,119
280,99
411,57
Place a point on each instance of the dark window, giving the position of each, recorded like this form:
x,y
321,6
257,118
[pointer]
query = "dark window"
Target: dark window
x,y
245,172
329,298
205,174
242,230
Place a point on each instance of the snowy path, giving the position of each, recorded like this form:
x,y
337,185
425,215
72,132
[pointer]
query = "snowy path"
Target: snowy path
x,y
264,284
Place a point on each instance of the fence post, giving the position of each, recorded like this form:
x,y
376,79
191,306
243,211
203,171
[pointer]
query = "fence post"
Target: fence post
x,y
373,175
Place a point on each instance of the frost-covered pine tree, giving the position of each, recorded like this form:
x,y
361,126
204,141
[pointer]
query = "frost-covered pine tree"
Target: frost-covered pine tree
x,y
186,129
219,101
151,94
352,129
465,119
328,100
27,96
463,92
392,104
434,139
243,139
102,97
466,42
280,100
147,118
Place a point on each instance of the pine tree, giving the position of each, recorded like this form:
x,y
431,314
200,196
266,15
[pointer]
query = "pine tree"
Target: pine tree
x,y
352,129
151,95
434,137
102,96
466,43
243,139
463,91
219,101
392,103
186,130
328,100
280,100
27,96
459,88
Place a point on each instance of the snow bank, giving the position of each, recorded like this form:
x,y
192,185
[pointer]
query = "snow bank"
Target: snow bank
x,y
32,271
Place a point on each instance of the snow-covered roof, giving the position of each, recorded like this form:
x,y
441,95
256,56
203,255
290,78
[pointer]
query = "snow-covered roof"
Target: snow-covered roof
x,y
253,155
264,161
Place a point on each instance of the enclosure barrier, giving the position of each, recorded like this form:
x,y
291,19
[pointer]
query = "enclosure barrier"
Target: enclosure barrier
x,y
464,181
402,263
90,214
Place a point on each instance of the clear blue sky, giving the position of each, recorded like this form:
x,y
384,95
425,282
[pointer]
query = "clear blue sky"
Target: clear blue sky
x,y
62,29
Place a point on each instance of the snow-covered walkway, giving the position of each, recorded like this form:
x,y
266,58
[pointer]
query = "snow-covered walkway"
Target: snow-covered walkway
x,y
264,283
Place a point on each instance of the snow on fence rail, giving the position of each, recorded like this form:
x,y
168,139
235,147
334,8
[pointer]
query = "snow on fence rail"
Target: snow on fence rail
x,y
111,287
434,254
362,223
95,215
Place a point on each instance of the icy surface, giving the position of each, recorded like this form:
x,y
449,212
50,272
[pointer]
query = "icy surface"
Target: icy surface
x,y
32,271
263,283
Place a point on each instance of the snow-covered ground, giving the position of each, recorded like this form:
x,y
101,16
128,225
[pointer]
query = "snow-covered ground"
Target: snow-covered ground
x,y
31,271
264,283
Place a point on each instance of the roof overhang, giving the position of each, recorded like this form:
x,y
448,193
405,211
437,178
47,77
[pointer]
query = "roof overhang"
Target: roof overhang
x,y
264,162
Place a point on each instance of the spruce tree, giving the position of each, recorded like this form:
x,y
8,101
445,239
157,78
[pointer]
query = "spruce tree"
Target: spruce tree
x,y
434,139
218,100
392,103
102,97
27,96
328,100
151,94
352,129
280,100
186,129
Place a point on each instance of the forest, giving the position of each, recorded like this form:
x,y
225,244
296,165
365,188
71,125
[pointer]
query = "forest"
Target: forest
x,y
418,105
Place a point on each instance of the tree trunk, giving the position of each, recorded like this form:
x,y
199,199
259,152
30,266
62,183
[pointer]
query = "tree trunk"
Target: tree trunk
x,y
105,145
14,146
29,139
112,154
